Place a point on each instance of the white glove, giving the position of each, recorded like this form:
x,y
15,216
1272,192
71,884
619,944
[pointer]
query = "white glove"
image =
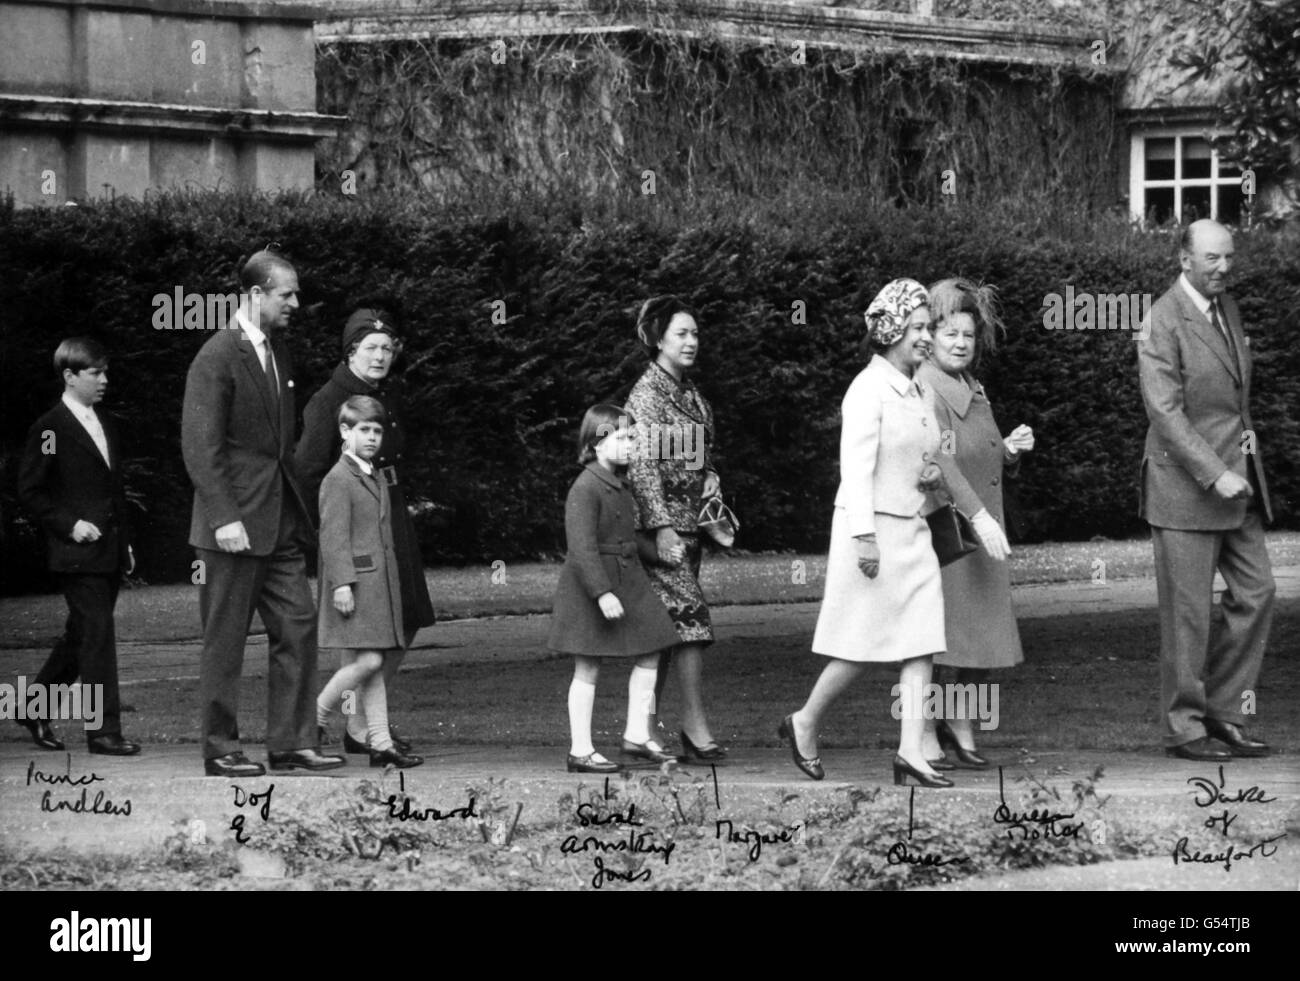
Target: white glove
x,y
991,535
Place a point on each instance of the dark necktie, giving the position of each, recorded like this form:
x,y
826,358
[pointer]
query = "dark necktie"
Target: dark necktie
x,y
272,382
1222,328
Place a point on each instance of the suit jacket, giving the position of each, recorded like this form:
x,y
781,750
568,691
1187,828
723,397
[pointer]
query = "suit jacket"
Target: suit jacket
x,y
887,435
238,454
356,549
72,483
668,470
1198,402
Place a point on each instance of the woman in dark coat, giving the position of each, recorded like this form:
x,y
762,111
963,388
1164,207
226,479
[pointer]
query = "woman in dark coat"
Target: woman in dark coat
x,y
672,476
371,343
978,619
604,607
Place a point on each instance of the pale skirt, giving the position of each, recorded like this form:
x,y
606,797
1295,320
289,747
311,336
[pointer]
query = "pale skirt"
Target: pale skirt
x,y
896,616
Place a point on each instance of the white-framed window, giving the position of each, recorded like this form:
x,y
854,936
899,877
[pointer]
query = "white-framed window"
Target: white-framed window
x,y
1176,173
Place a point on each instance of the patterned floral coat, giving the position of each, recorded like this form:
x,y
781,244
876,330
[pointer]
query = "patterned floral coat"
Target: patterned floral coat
x,y
674,451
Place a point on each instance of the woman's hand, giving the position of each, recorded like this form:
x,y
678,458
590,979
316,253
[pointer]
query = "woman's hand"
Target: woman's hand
x,y
610,606
343,601
868,555
1020,440
991,535
931,477
712,485
670,547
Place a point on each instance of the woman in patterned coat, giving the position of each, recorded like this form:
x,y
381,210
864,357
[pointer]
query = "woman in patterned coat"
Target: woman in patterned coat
x,y
671,477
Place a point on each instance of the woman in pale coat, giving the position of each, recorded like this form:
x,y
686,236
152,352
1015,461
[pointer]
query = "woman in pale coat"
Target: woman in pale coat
x,y
978,621
884,599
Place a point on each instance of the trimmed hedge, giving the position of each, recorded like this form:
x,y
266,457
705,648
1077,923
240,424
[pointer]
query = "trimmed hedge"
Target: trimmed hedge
x,y
495,405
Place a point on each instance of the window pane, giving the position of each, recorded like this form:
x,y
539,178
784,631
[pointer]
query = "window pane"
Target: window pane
x,y
1160,204
1196,203
1232,203
1196,157
1229,168
1160,160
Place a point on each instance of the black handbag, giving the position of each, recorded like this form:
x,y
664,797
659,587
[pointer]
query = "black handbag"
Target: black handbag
x,y
951,534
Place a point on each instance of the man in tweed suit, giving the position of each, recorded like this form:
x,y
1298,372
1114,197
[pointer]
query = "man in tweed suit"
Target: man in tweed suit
x,y
1205,497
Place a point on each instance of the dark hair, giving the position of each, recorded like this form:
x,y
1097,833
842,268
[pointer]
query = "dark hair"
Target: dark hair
x,y
76,354
599,421
654,318
362,408
257,270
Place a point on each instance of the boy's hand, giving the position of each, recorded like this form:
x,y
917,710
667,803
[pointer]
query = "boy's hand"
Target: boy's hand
x,y
84,531
610,606
343,601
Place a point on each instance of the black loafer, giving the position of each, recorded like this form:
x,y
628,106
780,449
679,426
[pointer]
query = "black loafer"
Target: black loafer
x,y
1238,743
350,745
394,757
812,766
1204,750
965,757
232,765
304,759
712,753
42,735
941,763
588,764
400,743
113,745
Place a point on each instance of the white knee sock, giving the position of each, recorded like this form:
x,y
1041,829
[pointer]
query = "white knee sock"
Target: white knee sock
x,y
374,698
582,698
640,704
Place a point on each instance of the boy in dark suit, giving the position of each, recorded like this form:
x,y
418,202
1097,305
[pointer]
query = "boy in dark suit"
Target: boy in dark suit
x,y
71,481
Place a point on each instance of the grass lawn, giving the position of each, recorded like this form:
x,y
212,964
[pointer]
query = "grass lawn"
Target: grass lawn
x,y
170,612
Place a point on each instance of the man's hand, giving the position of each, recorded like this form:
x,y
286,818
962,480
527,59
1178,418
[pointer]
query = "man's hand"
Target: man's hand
x,y
1230,487
84,531
868,556
610,606
343,601
232,537
1020,440
669,546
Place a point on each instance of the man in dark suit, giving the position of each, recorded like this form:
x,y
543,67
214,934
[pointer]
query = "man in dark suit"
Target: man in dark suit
x,y
1204,495
249,525
71,481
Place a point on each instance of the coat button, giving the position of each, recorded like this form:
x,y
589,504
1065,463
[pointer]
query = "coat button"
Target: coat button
x,y
993,442
995,481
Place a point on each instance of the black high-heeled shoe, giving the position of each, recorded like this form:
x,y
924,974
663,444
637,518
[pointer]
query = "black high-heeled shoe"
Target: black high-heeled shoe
x,y
691,753
965,757
941,763
812,766
904,769
647,751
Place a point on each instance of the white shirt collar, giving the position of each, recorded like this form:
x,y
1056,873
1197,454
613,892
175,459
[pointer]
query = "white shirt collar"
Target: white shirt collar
x,y
79,410
1202,302
897,380
255,333
366,467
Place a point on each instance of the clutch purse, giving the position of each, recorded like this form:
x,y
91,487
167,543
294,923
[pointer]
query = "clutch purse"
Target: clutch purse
x,y
951,534
719,522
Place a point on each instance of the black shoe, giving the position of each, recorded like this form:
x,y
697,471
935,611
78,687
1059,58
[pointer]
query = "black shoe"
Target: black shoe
x,y
904,769
691,753
812,766
1203,749
647,751
232,765
323,737
585,764
42,735
393,757
304,759
1230,734
965,757
113,745
399,743
941,763
350,745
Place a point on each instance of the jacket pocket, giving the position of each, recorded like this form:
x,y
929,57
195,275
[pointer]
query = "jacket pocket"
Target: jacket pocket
x,y
363,563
